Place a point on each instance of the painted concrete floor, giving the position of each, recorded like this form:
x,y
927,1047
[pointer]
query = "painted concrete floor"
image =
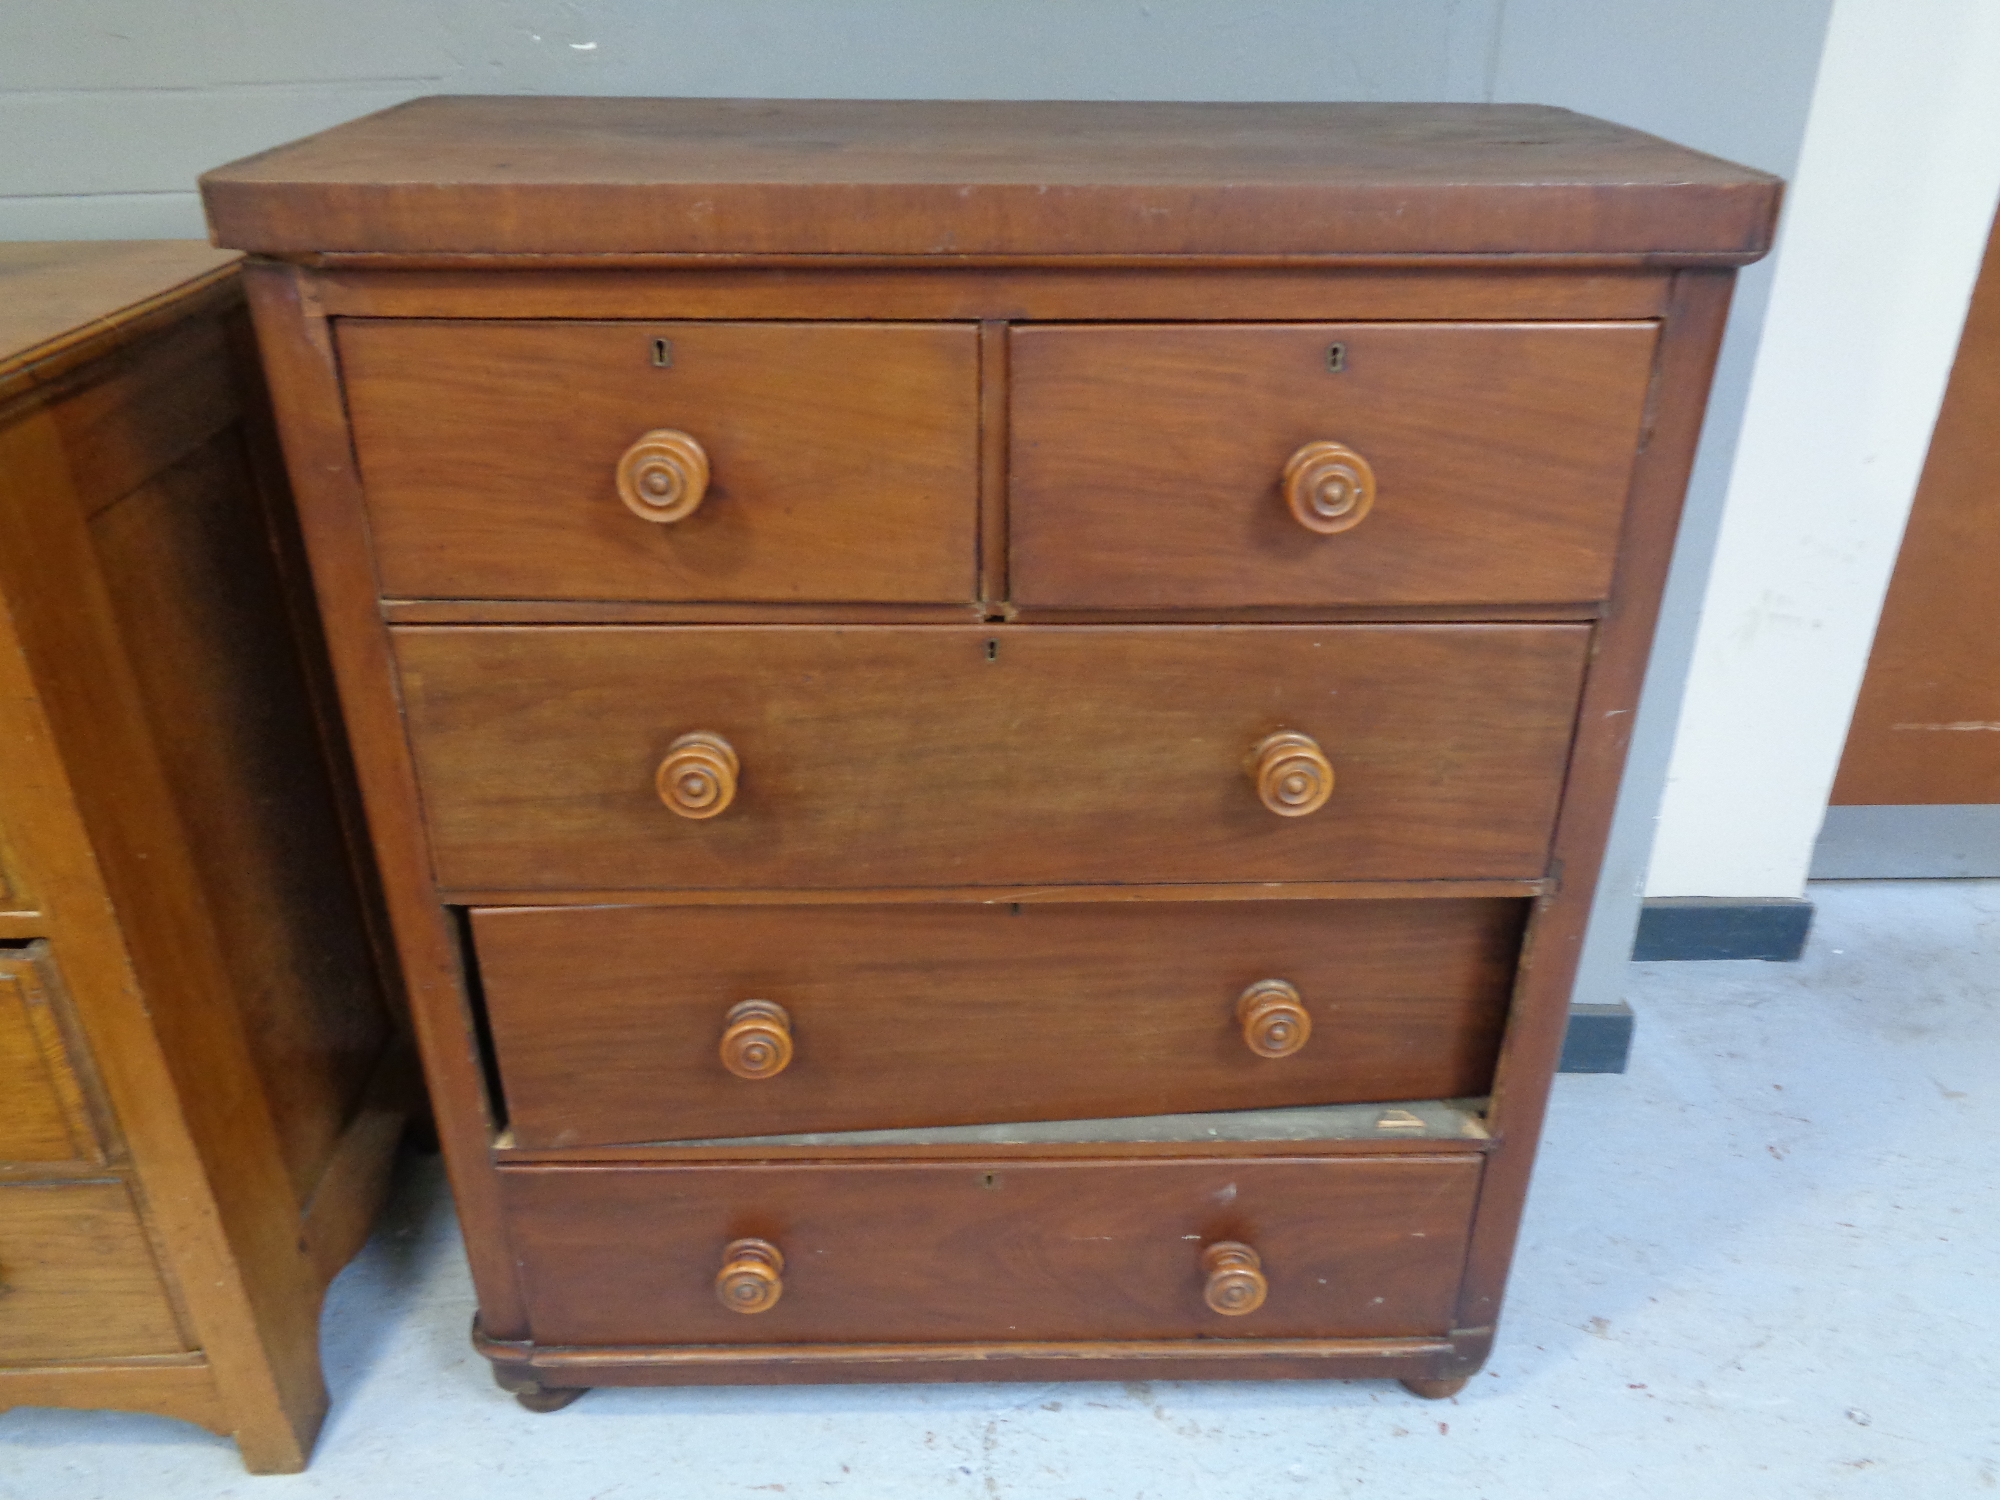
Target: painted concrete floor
x,y
1764,1262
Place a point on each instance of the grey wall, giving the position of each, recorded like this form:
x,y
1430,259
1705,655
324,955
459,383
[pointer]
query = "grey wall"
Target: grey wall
x,y
109,109
1737,80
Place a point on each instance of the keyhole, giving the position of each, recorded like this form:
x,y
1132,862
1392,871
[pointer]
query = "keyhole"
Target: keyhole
x,y
663,354
1336,357
993,651
990,1180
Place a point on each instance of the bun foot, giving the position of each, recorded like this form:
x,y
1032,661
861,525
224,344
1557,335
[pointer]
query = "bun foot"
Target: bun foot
x,y
542,1398
531,1393
1436,1390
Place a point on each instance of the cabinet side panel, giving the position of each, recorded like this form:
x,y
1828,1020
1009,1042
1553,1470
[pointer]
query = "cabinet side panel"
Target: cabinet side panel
x,y
300,363
143,960
204,627
1686,361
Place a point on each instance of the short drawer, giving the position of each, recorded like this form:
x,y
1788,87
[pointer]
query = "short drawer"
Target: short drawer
x,y
77,1279
1149,463
909,756
1001,1251
44,1117
841,459
632,1024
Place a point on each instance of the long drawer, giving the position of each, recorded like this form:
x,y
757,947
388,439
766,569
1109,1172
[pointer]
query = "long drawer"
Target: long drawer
x,y
626,1024
551,758
1002,1251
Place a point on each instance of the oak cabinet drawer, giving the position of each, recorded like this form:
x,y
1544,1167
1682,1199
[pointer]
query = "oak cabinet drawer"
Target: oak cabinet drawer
x,y
1149,463
559,759
832,462
43,1117
631,1024
1004,1251
77,1279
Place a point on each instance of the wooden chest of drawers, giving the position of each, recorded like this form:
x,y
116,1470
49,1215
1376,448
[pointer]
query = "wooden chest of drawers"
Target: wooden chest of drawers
x,y
202,1073
990,725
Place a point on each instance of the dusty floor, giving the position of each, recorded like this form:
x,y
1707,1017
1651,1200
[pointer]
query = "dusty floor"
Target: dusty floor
x,y
1764,1262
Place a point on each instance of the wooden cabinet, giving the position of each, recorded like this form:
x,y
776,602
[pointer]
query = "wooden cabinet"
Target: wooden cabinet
x,y
202,1077
989,726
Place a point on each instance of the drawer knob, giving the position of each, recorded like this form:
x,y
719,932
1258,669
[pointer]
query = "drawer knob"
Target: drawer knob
x,y
1236,1282
751,1279
757,1041
1273,1018
698,777
663,476
1329,487
1292,773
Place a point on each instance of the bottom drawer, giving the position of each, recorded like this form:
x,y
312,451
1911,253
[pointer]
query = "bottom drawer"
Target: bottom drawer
x,y
999,1251
77,1279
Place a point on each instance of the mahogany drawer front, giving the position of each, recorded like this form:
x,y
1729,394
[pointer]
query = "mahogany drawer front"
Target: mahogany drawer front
x,y
1147,462
874,756
842,458
44,1117
1350,1247
611,1023
77,1278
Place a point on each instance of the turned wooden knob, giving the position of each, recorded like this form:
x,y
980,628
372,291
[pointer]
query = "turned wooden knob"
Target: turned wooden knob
x,y
1273,1018
1292,773
1236,1282
751,1279
698,777
1329,487
757,1041
663,476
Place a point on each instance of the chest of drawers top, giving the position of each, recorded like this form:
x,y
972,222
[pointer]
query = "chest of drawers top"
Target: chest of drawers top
x,y
599,177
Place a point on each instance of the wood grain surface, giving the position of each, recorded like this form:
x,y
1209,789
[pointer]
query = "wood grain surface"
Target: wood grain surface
x,y
296,343
883,755
1003,1250
844,458
63,302
46,1118
607,1019
1926,728
1065,290
77,1279
1539,1018
1146,462
198,596
957,178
